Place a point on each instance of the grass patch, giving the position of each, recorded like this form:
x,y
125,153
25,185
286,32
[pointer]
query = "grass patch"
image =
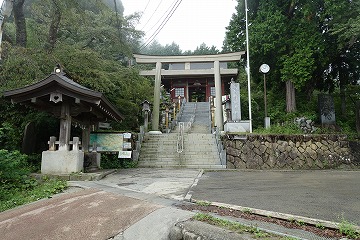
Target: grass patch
x,y
348,229
232,226
10,198
203,203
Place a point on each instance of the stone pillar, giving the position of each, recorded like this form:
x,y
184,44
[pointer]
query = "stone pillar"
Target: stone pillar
x,y
235,101
65,127
156,108
218,93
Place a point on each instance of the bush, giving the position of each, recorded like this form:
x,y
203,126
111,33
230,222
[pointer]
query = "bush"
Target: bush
x,y
14,169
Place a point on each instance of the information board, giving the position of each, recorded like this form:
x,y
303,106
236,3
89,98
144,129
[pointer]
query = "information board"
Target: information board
x,y
107,142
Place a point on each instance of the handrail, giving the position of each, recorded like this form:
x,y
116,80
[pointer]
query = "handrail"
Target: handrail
x,y
192,119
180,140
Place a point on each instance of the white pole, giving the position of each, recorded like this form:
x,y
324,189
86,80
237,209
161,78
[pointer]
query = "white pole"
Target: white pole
x,y
248,64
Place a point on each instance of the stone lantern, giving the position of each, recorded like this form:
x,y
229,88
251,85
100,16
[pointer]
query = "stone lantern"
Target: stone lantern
x,y
146,109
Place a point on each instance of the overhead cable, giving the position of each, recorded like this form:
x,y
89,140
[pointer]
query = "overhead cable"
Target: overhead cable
x,y
152,15
161,26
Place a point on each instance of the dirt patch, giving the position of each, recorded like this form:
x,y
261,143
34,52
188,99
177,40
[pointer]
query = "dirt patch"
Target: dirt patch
x,y
330,233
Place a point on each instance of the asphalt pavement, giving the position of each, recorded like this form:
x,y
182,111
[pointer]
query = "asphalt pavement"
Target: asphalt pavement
x,y
141,203
326,195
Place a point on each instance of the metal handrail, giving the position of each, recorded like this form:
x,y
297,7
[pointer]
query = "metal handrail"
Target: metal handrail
x,y
180,140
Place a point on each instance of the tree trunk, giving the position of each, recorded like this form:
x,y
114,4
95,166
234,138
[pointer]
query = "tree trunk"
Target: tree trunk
x,y
54,26
21,37
290,97
342,93
358,117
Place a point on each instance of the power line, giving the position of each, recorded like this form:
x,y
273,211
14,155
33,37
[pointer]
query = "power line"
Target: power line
x,y
166,12
142,13
161,26
152,14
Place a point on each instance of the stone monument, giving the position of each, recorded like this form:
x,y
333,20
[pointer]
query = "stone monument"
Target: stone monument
x,y
326,109
236,124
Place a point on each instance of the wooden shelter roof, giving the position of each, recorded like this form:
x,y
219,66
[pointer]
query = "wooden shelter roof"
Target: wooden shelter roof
x,y
47,95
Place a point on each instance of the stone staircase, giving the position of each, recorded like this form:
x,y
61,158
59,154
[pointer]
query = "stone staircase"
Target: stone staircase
x,y
200,151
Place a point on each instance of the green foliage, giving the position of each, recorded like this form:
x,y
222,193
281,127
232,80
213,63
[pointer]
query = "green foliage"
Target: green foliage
x,y
348,229
203,203
11,198
233,226
14,170
111,161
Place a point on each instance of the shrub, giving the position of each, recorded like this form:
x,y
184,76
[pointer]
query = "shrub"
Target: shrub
x,y
13,169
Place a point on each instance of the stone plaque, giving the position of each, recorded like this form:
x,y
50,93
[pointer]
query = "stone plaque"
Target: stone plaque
x,y
326,109
235,101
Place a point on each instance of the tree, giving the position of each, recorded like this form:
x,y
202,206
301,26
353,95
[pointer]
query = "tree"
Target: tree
x,y
341,28
284,34
21,36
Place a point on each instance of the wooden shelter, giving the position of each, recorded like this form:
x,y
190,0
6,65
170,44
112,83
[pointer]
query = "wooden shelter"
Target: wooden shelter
x,y
71,102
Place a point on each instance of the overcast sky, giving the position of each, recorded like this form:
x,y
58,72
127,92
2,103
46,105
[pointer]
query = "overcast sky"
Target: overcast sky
x,y
193,22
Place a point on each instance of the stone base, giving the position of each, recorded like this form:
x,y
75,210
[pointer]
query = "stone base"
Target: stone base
x,y
62,162
237,127
155,132
92,161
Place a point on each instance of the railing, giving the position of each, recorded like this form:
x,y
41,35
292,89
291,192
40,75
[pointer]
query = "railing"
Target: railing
x,y
220,147
175,121
180,140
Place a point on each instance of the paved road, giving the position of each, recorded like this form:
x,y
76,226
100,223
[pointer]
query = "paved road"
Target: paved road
x,y
130,204
326,195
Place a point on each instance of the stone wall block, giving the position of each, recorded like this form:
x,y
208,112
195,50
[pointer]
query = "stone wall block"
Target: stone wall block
x,y
240,164
238,144
313,147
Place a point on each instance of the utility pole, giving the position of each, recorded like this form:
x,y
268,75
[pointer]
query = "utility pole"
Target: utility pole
x,y
248,64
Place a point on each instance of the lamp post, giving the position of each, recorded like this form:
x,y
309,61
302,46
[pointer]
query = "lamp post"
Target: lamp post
x,y
264,68
248,64
146,109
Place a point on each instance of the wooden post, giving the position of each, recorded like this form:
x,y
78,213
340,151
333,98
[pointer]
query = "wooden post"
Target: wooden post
x,y
65,127
85,138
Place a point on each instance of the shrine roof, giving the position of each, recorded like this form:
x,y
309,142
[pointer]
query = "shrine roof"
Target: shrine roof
x,y
85,102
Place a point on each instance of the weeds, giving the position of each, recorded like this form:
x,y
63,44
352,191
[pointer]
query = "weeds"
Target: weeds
x,y
233,226
348,229
203,203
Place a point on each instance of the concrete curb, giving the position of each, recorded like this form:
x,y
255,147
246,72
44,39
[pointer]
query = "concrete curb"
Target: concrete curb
x,y
93,176
283,216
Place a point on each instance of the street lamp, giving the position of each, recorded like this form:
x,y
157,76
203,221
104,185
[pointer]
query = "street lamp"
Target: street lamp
x,y
264,68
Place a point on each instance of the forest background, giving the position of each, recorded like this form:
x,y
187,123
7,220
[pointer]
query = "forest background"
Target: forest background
x,y
312,47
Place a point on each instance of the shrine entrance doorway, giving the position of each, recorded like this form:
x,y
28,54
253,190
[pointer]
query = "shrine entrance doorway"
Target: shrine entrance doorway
x,y
197,94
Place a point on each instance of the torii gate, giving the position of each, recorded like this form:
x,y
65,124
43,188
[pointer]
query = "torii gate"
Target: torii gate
x,y
216,71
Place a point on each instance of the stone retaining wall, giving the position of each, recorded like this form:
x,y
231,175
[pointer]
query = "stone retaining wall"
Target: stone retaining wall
x,y
288,152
